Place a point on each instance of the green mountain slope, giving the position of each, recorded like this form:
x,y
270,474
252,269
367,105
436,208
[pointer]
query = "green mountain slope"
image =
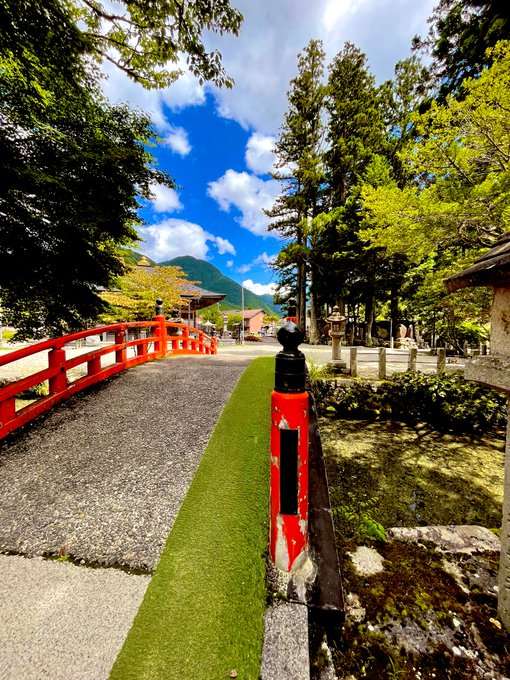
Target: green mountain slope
x,y
211,278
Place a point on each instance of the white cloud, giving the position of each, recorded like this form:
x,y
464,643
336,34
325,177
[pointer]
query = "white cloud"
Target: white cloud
x,y
259,154
173,237
264,258
177,140
224,246
260,288
263,58
249,195
186,91
230,263
165,199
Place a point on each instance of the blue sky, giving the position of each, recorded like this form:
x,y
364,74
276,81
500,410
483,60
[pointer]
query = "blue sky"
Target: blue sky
x,y
217,143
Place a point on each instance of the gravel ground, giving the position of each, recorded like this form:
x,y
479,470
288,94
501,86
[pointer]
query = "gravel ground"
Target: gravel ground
x,y
101,477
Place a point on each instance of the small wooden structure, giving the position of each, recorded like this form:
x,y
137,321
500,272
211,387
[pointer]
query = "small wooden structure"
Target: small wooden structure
x,y
493,270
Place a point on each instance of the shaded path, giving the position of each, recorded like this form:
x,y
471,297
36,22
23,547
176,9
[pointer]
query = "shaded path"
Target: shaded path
x,y
102,477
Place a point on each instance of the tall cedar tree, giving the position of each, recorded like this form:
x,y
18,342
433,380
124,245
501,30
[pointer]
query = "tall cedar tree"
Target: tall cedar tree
x,y
299,159
355,135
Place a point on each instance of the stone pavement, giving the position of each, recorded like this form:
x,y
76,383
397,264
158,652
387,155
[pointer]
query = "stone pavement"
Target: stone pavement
x,y
99,480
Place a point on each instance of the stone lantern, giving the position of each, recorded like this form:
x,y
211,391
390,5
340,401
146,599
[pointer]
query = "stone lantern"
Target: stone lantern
x,y
225,324
337,332
493,270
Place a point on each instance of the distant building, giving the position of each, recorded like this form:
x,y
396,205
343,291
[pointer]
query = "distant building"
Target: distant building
x,y
252,320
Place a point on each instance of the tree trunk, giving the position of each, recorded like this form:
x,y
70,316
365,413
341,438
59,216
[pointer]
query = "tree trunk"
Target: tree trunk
x,y
301,296
314,334
369,319
393,311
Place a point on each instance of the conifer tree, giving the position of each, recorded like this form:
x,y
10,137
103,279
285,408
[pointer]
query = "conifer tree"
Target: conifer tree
x,y
298,150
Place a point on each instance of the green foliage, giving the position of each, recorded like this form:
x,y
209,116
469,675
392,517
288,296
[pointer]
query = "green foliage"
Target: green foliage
x,y
213,315
354,399
446,402
35,392
7,336
461,193
138,290
147,40
73,166
355,520
300,169
460,33
317,373
233,319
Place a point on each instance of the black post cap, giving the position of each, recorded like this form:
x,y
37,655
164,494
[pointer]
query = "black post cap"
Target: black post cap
x,y
159,307
291,307
290,363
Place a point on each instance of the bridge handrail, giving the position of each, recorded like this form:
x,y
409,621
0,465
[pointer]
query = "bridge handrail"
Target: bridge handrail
x,y
158,344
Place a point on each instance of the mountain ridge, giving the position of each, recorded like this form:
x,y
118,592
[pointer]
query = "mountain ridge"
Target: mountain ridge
x,y
208,276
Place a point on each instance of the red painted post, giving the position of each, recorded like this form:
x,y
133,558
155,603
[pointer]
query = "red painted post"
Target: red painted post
x,y
94,366
289,452
7,411
57,360
121,353
160,330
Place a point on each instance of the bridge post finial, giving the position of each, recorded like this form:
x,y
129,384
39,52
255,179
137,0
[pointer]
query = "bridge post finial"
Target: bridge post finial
x,y
159,307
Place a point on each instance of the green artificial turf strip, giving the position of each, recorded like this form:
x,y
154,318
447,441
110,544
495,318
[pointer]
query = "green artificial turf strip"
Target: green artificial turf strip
x,y
202,615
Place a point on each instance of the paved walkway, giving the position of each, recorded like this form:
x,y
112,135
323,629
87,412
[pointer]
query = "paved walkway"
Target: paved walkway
x,y
99,479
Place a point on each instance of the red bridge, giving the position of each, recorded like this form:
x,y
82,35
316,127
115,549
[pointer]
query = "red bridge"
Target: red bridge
x,y
150,340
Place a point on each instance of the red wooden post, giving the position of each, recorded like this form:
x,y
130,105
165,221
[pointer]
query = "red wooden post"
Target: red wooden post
x,y
160,330
289,452
7,411
57,360
94,366
121,353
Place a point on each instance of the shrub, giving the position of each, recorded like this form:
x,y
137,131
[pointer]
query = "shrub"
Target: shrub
x,y
445,402
355,399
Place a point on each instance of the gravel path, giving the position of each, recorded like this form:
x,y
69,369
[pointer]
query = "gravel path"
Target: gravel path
x,y
102,477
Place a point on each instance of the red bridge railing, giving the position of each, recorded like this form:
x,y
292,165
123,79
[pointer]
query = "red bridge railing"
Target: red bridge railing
x,y
133,343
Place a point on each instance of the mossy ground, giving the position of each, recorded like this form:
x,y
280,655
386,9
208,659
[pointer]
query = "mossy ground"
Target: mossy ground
x,y
419,621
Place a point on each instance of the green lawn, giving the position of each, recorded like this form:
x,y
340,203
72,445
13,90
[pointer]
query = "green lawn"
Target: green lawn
x,y
202,615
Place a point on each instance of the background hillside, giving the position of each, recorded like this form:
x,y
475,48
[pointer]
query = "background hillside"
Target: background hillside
x,y
207,276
